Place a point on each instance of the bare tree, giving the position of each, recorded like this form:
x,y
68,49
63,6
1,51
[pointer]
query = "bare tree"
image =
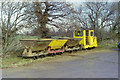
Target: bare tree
x,y
48,13
97,16
11,21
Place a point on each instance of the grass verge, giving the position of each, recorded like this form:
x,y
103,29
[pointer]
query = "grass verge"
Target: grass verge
x,y
107,44
18,61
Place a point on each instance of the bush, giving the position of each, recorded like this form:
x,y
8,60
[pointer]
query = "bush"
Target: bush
x,y
108,44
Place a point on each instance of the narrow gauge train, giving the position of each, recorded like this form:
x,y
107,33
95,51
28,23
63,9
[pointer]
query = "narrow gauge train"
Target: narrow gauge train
x,y
82,39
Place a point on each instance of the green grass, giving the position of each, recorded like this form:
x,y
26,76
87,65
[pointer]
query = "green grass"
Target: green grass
x,y
14,61
107,44
18,37
19,61
55,37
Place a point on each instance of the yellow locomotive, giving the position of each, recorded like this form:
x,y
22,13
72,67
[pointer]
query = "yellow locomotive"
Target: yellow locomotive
x,y
82,39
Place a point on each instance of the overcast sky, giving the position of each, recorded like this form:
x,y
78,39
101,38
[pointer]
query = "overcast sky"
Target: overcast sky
x,y
61,0
76,3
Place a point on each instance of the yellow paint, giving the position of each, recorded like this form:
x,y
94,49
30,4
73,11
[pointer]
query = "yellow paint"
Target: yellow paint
x,y
32,45
88,41
57,44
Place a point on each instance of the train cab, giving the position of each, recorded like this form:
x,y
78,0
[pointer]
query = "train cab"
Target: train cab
x,y
88,40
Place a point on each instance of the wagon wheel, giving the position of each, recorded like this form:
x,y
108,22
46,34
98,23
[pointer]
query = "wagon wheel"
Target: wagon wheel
x,y
24,57
70,51
61,52
35,57
41,56
75,50
54,54
44,55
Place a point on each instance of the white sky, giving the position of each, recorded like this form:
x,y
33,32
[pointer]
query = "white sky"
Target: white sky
x,y
76,3
61,0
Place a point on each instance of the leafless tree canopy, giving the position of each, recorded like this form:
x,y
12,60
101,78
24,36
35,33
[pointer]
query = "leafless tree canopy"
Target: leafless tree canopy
x,y
100,16
12,19
48,13
103,17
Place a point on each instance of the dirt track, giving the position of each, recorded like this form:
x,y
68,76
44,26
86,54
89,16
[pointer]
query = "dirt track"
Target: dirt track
x,y
81,64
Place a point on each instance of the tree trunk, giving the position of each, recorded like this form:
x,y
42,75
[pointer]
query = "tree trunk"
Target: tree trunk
x,y
44,32
101,34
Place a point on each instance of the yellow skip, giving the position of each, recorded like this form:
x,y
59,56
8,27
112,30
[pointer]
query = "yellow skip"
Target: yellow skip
x,y
57,44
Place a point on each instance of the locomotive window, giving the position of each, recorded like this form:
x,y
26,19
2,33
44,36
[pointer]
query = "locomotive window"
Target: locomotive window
x,y
78,33
86,33
91,33
81,33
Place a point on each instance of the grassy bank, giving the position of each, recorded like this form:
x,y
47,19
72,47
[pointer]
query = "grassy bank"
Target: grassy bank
x,y
107,44
19,61
14,62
